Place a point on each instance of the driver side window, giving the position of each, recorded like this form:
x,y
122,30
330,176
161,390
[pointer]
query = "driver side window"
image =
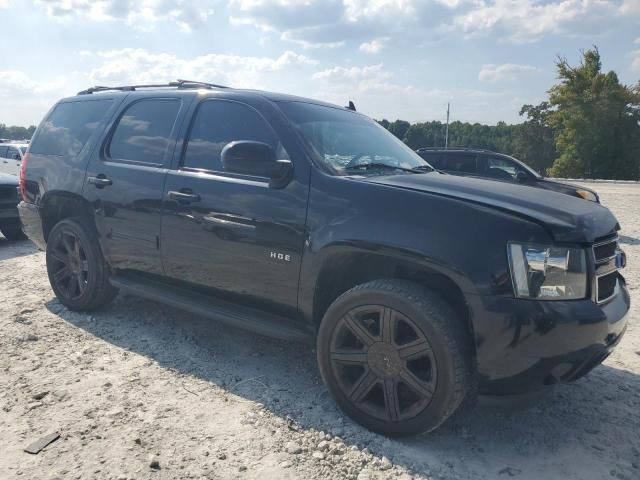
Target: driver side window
x,y
219,122
501,169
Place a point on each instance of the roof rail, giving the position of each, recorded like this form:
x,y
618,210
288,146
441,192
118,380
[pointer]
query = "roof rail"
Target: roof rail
x,y
471,149
130,88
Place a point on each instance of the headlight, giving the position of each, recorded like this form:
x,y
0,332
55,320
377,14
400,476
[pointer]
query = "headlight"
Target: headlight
x,y
587,195
549,273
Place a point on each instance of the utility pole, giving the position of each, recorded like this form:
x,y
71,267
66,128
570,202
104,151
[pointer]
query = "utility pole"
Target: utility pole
x,y
446,135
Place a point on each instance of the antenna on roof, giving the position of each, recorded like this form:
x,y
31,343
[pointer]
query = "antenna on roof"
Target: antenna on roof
x,y
351,106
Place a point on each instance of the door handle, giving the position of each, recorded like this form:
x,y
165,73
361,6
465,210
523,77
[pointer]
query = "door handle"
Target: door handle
x,y
100,181
184,197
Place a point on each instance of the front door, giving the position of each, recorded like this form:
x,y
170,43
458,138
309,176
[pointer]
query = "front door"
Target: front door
x,y
229,232
125,179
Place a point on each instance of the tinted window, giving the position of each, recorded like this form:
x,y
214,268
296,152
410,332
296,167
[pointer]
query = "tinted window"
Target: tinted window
x,y
501,168
69,127
219,122
460,162
3,152
435,159
143,133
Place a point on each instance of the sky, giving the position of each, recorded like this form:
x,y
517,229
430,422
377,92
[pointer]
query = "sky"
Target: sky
x,y
393,58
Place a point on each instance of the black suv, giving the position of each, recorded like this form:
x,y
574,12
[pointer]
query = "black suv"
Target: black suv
x,y
497,166
300,219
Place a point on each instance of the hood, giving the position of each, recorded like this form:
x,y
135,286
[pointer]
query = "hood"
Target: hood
x,y
6,179
568,219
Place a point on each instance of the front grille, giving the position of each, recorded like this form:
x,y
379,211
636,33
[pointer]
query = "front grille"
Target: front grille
x,y
8,193
607,286
604,251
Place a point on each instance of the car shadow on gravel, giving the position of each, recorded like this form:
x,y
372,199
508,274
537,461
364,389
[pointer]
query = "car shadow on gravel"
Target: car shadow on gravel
x,y
629,240
13,249
283,377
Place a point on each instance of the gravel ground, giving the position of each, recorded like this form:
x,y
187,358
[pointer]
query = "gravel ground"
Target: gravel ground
x,y
140,390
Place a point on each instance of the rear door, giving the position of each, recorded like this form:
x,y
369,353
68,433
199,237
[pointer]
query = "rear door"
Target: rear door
x,y
125,178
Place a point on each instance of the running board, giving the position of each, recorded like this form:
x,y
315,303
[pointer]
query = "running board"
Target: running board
x,y
246,318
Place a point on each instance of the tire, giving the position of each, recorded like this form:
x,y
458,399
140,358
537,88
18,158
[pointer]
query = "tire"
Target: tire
x,y
395,357
78,273
13,234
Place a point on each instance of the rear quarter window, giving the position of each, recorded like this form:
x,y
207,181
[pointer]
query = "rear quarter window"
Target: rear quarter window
x,y
69,126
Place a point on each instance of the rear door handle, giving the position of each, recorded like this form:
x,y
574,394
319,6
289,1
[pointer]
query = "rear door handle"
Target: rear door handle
x,y
100,181
185,197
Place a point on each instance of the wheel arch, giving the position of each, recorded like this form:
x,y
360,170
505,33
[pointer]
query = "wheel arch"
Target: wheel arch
x,y
57,205
343,267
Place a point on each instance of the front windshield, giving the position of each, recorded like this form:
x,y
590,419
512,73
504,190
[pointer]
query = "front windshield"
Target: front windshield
x,y
346,141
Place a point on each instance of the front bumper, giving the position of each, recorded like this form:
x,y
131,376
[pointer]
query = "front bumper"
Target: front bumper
x,y
32,223
522,345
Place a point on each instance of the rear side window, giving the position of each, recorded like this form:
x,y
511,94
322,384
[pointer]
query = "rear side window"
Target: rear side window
x,y
220,122
69,127
460,162
3,152
143,134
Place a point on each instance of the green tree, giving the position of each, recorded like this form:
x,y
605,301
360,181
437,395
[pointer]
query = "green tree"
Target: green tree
x,y
596,122
534,141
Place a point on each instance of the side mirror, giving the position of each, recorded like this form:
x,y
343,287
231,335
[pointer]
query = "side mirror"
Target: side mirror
x,y
522,177
258,159
15,156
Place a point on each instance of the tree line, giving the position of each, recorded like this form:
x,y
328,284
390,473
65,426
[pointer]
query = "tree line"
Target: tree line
x,y
588,128
16,133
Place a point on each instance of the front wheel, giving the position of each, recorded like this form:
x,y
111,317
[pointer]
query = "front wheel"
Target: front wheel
x,y
395,357
77,270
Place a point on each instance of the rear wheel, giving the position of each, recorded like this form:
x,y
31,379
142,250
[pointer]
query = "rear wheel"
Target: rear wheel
x,y
395,357
77,270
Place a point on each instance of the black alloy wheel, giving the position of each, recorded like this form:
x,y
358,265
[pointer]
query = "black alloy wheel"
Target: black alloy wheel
x,y
70,268
395,356
78,272
383,362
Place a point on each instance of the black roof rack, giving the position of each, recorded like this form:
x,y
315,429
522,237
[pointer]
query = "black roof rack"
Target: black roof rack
x,y
180,83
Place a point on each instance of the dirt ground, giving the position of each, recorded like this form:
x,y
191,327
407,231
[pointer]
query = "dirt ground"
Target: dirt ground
x,y
143,391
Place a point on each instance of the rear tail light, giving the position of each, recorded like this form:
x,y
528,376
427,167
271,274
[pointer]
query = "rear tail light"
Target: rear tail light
x,y
22,185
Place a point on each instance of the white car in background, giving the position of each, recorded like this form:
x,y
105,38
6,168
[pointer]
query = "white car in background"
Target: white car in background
x,y
11,157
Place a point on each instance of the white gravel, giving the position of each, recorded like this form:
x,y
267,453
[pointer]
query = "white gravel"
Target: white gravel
x,y
140,390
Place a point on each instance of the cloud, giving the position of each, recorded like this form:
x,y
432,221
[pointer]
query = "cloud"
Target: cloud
x,y
378,93
529,20
374,46
21,96
630,7
143,14
136,65
321,23
506,71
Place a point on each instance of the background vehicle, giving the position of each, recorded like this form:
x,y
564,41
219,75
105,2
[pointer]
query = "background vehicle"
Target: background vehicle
x,y
11,156
300,219
9,219
496,166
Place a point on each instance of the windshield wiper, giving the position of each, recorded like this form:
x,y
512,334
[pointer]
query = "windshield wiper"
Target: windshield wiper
x,y
366,166
423,168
